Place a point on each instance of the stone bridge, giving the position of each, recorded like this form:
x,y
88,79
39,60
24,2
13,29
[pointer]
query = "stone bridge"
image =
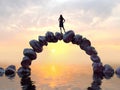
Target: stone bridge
x,y
30,54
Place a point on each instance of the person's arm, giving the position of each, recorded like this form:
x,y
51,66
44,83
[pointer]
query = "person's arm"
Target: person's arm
x,y
63,20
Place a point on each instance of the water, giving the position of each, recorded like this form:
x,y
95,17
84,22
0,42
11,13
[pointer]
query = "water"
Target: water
x,y
59,77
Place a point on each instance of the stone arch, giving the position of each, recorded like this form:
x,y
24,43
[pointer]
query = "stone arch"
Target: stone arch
x,y
69,36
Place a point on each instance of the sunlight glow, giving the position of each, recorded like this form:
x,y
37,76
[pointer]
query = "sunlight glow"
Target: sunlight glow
x,y
59,48
53,50
55,74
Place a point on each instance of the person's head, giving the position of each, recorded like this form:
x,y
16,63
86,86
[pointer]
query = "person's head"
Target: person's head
x,y
61,16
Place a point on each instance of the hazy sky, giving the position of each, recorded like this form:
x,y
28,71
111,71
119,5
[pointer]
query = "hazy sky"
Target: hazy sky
x,y
23,20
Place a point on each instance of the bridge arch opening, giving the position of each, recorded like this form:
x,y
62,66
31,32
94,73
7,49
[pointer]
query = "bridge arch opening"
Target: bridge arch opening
x,y
62,53
84,44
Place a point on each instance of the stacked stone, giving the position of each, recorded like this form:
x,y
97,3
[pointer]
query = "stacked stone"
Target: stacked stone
x,y
108,71
90,50
118,72
37,47
85,45
10,71
2,71
69,36
97,81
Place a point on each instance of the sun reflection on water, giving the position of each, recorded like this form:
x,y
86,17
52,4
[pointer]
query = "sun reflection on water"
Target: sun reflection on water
x,y
54,75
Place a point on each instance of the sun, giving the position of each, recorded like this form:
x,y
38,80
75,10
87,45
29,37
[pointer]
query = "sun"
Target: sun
x,y
58,49
57,52
60,53
53,50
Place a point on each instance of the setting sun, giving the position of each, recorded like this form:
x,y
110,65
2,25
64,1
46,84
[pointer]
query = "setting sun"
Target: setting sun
x,y
53,50
59,48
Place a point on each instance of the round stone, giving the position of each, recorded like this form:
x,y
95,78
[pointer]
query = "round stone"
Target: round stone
x,y
24,72
77,39
10,70
42,41
95,58
30,53
68,36
36,46
85,43
118,72
26,62
108,71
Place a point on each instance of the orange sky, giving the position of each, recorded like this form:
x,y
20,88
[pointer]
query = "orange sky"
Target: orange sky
x,y
24,21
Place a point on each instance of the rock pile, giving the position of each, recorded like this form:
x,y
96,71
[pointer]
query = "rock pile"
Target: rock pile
x,y
69,36
50,37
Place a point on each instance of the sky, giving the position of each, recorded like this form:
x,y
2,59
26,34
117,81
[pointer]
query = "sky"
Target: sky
x,y
24,20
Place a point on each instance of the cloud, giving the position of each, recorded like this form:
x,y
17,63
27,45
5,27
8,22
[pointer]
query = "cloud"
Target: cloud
x,y
42,11
17,16
25,13
88,9
20,15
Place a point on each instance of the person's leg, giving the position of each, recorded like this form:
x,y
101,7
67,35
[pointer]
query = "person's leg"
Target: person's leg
x,y
61,29
64,29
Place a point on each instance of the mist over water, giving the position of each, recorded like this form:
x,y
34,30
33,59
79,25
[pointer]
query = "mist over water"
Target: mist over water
x,y
58,77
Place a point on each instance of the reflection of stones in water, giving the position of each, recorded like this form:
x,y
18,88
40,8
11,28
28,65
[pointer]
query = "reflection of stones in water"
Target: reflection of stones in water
x,y
97,79
37,46
10,71
10,76
69,36
1,72
27,84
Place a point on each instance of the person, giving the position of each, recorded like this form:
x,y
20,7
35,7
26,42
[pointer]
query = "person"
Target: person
x,y
61,21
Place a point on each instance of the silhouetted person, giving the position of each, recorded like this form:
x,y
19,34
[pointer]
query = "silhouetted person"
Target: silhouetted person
x,y
61,21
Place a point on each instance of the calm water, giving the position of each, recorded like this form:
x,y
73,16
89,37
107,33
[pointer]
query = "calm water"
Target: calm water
x,y
59,77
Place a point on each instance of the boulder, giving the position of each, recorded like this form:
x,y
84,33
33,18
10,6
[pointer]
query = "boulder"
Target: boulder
x,y
42,41
90,50
95,58
97,67
59,36
30,53
26,62
108,71
50,37
36,46
24,72
10,70
77,39
68,36
84,44
97,76
118,72
1,71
